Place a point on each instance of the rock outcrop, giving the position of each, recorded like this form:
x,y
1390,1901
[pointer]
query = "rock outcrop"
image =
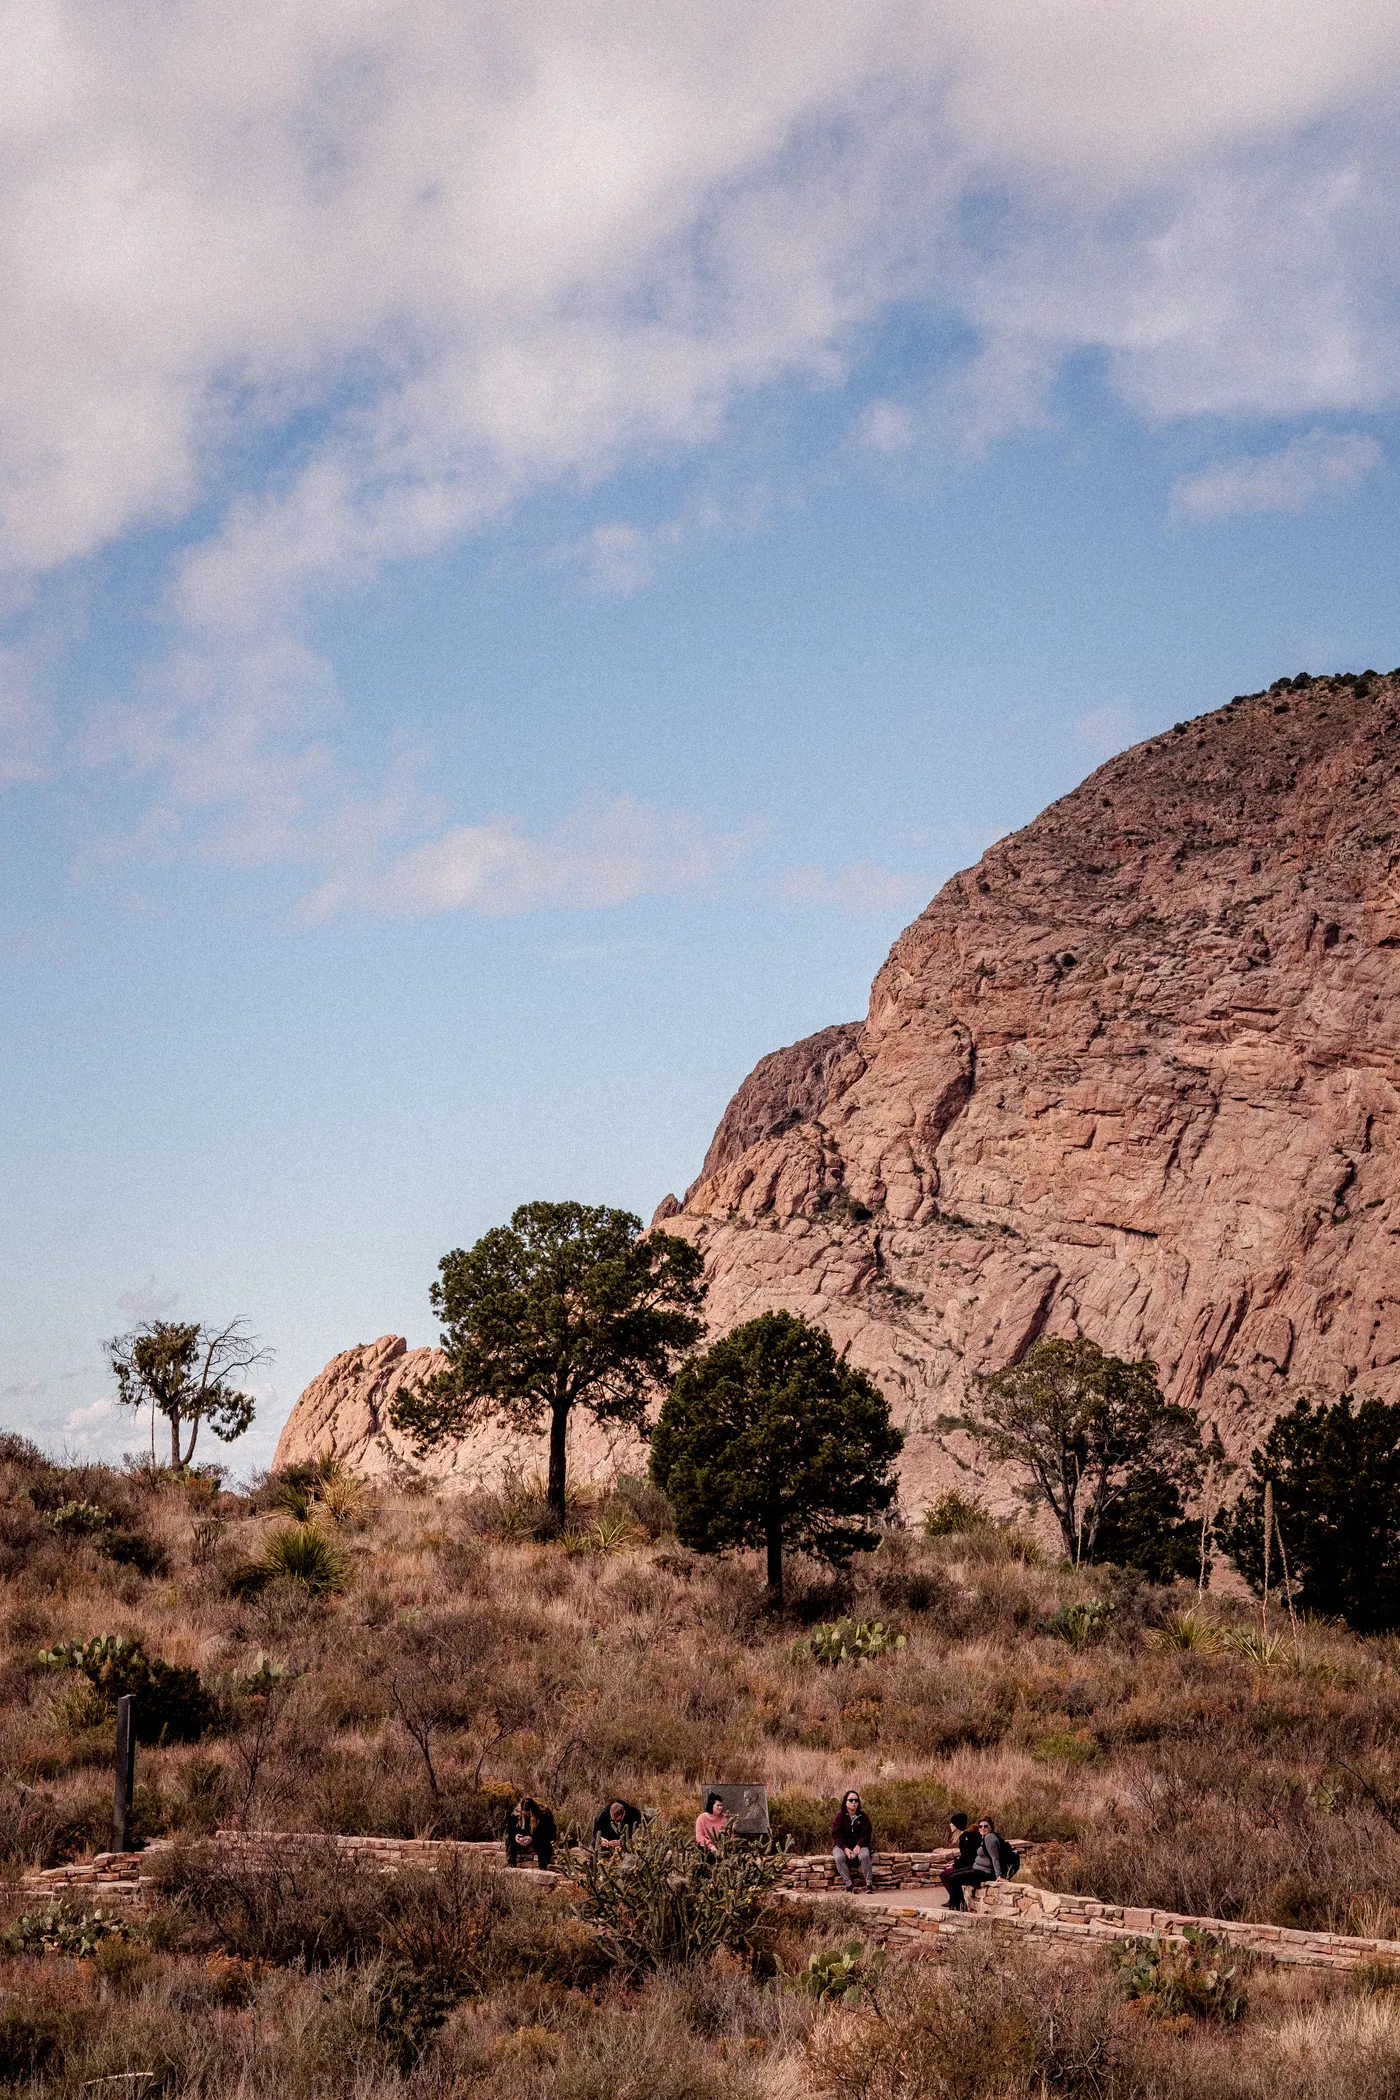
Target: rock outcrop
x,y
1136,1075
344,1414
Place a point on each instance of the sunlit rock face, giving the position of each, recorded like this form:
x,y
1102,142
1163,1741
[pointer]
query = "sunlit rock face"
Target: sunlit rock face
x,y
1133,1076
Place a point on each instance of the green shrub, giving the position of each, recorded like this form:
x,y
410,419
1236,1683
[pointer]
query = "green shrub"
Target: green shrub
x,y
1079,1624
296,1553
1198,1981
171,1703
845,1975
61,1928
667,1904
955,1513
848,1640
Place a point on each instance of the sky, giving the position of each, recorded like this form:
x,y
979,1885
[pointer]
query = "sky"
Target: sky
x,y
534,537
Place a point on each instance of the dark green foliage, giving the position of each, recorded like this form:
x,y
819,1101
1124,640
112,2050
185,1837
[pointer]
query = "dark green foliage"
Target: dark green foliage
x,y
1148,1528
666,1904
296,1553
172,1705
953,1514
185,1371
570,1304
1087,1430
1336,1476
848,1975
63,1929
769,1439
1199,1981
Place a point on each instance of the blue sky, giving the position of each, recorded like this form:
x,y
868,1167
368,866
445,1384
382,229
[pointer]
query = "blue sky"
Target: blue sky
x,y
532,545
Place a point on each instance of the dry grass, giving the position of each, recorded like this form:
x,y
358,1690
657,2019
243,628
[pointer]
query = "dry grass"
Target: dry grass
x,y
467,1658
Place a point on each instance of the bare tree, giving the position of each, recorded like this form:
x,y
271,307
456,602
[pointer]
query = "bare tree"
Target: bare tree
x,y
187,1372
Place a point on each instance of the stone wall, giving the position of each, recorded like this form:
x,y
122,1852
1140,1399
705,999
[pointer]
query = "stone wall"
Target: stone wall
x,y
1076,1921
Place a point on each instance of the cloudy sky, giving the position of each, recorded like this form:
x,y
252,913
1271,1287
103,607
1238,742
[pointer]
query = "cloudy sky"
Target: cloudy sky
x,y
533,537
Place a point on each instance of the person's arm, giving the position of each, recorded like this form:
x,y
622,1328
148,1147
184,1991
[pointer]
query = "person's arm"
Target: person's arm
x,y
996,1854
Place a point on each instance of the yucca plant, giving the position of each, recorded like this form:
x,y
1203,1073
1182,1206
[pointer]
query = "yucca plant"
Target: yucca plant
x,y
1183,1632
1267,1651
300,1553
614,1532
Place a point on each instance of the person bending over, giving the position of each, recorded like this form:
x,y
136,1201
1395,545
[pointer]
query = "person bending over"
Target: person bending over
x,y
614,1825
531,1834
851,1840
710,1824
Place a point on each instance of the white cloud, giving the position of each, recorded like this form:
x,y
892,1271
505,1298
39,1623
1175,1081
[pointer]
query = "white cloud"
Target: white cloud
x,y
328,286
472,250
1319,465
605,853
861,886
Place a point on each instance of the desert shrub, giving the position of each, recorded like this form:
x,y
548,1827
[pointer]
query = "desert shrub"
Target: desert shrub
x,y
849,1640
644,1503
1083,1622
912,1589
848,1975
992,2022
668,1904
1182,1632
954,1514
43,2020
311,1905
172,1704
297,1553
1200,1980
63,1928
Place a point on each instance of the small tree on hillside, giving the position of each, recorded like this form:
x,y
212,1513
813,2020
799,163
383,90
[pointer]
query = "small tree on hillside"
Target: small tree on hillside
x,y
770,1439
1336,1511
187,1372
1092,1434
569,1305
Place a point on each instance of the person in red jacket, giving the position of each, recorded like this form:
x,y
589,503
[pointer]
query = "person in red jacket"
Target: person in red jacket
x,y
851,1839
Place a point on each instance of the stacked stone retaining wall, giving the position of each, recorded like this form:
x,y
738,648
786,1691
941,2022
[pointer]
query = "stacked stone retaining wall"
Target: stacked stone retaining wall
x,y
917,1927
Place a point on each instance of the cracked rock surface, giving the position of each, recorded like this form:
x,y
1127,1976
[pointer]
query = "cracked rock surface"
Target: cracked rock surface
x,y
1134,1075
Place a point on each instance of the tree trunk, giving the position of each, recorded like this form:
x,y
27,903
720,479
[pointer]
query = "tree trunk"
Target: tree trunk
x,y
774,1530
194,1432
175,1439
558,1457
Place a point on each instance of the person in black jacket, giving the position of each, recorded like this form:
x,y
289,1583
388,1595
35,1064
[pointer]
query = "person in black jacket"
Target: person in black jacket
x,y
981,1857
531,1834
852,1839
613,1826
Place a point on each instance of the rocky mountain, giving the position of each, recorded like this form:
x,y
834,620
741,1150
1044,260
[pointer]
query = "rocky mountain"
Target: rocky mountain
x,y
1134,1075
344,1414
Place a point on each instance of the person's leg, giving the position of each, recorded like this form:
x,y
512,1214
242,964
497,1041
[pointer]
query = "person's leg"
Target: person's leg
x,y
843,1866
866,1866
955,1880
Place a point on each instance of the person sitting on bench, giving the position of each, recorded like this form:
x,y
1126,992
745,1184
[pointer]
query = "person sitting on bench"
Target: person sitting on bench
x,y
613,1826
531,1834
981,1857
852,1838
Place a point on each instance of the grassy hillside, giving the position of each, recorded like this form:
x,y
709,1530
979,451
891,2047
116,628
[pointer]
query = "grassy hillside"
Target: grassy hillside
x,y
416,1662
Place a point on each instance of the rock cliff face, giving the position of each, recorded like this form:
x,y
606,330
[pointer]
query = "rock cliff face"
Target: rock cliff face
x,y
1135,1075
344,1414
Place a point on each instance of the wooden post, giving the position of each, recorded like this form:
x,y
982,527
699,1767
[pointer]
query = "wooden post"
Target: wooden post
x,y
124,1774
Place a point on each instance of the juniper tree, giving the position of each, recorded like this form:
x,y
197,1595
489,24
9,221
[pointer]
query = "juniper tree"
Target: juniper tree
x,y
770,1439
570,1305
186,1372
1092,1435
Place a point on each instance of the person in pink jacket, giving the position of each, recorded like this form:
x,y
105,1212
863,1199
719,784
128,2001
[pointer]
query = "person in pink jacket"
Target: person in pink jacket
x,y
711,1823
